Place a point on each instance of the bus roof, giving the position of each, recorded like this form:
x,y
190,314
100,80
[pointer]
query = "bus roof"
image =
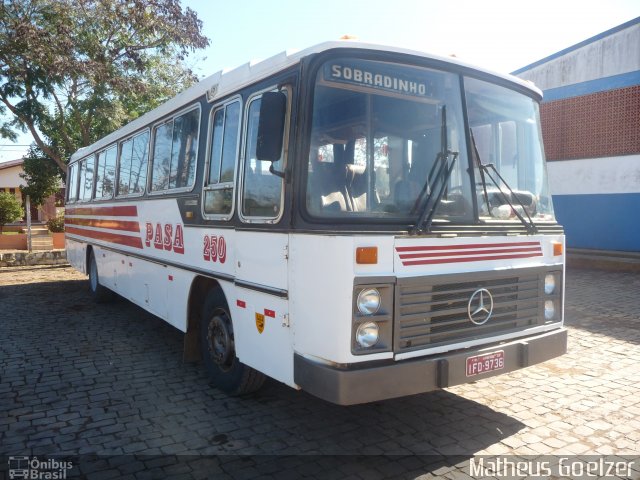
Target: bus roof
x,y
225,82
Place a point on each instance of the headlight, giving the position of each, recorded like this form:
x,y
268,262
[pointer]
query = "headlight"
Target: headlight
x,y
549,309
368,301
549,284
367,334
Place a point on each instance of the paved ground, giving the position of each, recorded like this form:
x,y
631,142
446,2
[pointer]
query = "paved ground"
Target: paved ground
x,y
108,383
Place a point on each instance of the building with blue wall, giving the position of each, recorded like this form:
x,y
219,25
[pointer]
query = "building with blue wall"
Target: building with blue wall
x,y
591,128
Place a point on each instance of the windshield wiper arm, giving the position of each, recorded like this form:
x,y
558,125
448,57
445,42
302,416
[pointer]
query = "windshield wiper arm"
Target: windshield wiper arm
x,y
529,225
439,177
484,172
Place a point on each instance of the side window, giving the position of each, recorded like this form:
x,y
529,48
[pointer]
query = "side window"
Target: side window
x,y
106,173
86,178
73,183
225,131
161,156
175,151
261,190
132,173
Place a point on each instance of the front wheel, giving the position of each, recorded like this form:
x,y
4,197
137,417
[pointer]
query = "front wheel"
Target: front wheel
x,y
218,349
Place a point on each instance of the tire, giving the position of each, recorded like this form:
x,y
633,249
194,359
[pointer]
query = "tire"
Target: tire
x,y
225,371
100,293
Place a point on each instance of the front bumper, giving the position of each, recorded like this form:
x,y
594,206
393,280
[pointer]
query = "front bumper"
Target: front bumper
x,y
355,384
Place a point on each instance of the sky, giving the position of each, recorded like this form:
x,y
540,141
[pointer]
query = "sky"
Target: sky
x,y
501,35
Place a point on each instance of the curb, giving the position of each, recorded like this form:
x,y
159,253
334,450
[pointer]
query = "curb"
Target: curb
x,y
604,260
19,258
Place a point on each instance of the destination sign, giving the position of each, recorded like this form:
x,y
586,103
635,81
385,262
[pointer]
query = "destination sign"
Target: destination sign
x,y
389,78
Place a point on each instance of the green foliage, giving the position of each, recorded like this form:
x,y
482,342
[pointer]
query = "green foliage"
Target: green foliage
x,y
43,177
56,225
72,71
10,209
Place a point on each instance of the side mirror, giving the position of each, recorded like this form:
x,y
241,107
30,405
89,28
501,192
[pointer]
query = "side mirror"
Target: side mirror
x,y
273,109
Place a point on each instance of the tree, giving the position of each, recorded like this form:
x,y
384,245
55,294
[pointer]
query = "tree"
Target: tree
x,y
41,175
72,71
10,209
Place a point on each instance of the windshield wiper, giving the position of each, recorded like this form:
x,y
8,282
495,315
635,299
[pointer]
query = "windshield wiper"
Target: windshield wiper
x,y
484,169
436,182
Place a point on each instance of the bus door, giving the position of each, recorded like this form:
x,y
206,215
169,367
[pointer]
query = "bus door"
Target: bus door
x,y
263,339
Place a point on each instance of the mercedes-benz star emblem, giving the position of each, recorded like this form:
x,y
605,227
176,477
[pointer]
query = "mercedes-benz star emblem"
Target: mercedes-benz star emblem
x,y
480,306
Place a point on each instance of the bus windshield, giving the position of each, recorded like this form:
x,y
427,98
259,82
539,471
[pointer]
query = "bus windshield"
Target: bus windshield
x,y
506,135
386,139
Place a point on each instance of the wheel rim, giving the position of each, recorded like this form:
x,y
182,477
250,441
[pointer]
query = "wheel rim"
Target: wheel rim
x,y
220,341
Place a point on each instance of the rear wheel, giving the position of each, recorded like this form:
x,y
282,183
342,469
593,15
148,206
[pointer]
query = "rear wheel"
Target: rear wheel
x,y
218,349
100,293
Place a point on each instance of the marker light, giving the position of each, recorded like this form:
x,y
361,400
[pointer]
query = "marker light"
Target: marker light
x,y
367,334
368,301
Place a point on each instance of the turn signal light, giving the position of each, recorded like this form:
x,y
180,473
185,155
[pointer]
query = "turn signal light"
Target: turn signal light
x,y
367,255
557,249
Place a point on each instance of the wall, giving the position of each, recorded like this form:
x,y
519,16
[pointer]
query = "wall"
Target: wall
x,y
591,129
10,176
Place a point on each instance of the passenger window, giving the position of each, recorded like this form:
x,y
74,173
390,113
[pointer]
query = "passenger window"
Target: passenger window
x,y
175,151
73,183
132,173
86,178
106,173
262,190
218,197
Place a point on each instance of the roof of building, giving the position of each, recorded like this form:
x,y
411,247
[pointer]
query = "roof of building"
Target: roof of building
x,y
11,163
593,39
226,81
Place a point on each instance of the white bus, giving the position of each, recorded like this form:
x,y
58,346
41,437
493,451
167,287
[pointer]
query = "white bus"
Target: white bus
x,y
357,221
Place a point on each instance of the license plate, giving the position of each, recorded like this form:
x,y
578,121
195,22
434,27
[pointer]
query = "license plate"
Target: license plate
x,y
487,362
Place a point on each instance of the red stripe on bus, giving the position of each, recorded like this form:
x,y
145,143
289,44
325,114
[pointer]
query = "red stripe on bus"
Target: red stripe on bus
x,y
470,259
126,225
465,247
127,240
117,211
470,252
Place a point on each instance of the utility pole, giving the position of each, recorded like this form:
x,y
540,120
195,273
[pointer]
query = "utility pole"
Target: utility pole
x,y
28,208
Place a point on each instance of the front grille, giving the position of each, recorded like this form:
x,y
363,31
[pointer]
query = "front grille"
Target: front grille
x,y
433,311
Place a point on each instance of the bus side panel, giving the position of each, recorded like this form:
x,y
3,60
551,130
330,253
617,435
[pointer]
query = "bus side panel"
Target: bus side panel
x,y
261,258
149,287
160,289
107,262
76,254
178,287
263,340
